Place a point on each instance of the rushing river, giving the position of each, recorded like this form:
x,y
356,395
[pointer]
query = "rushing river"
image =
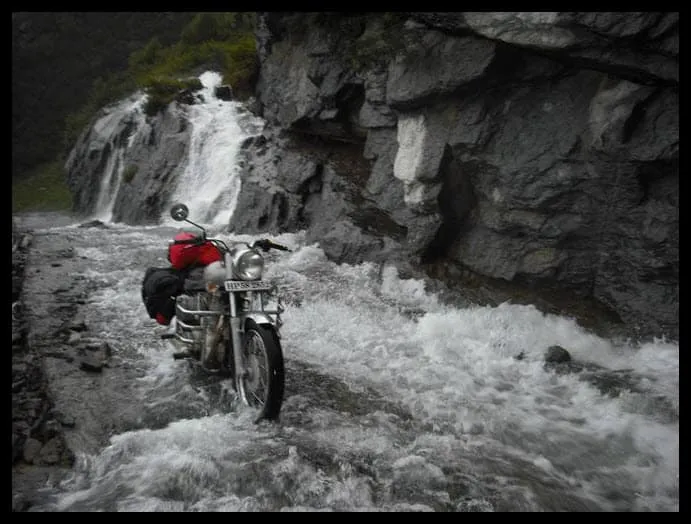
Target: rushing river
x,y
394,401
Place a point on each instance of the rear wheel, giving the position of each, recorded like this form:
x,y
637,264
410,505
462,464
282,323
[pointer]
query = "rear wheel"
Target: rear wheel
x,y
263,382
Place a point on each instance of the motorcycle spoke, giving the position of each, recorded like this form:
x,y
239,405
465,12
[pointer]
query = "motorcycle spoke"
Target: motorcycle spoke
x,y
260,401
258,377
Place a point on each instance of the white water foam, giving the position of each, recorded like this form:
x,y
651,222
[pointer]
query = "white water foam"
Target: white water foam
x,y
456,369
210,184
507,424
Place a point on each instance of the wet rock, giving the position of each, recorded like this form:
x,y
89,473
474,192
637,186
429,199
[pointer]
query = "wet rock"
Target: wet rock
x,y
497,163
253,106
609,382
18,369
91,364
62,418
186,96
25,242
17,447
96,355
613,382
94,223
32,421
31,406
32,447
50,429
78,324
416,480
557,355
601,38
51,452
17,311
62,356
447,62
20,429
160,152
20,502
224,92
74,338
101,349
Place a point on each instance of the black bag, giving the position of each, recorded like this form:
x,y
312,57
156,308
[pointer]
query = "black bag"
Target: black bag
x,y
160,287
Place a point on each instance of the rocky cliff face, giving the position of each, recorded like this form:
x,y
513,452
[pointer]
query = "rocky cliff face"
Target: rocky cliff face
x,y
56,56
534,150
122,140
539,149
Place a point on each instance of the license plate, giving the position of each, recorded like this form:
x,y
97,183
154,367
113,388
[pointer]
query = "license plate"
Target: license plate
x,y
247,285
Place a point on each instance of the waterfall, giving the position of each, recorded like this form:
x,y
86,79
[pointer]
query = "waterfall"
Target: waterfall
x,y
210,183
110,185
110,128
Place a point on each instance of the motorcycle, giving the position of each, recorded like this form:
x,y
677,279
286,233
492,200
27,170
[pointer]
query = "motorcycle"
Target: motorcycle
x,y
223,321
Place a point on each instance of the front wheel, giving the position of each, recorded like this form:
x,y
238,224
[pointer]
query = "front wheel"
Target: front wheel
x,y
262,384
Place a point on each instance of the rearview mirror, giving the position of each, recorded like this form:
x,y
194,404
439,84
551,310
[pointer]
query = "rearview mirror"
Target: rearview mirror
x,y
179,212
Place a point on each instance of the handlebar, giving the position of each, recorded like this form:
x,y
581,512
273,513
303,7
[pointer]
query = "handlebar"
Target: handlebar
x,y
198,241
264,244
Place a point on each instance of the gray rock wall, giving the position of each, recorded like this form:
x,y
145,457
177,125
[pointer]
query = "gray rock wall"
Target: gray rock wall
x,y
154,151
537,148
159,155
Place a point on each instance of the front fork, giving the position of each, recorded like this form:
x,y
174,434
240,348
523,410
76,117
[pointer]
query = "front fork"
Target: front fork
x,y
236,330
238,316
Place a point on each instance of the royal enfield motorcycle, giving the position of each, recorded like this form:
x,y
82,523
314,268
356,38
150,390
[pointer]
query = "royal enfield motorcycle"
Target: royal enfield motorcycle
x,y
227,318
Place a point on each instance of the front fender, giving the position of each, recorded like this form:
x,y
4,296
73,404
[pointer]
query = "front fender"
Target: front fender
x,y
259,318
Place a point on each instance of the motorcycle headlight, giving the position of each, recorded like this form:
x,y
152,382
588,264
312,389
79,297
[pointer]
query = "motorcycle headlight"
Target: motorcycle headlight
x,y
248,265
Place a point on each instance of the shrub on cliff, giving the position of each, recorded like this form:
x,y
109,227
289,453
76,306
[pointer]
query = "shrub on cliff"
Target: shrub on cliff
x,y
235,60
220,41
162,90
129,172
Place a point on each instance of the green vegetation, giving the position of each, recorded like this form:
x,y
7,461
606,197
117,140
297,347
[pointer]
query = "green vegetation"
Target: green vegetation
x,y
103,92
221,41
129,172
224,42
235,59
44,189
55,58
162,91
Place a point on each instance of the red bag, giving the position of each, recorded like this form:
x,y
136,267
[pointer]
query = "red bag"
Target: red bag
x,y
182,256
